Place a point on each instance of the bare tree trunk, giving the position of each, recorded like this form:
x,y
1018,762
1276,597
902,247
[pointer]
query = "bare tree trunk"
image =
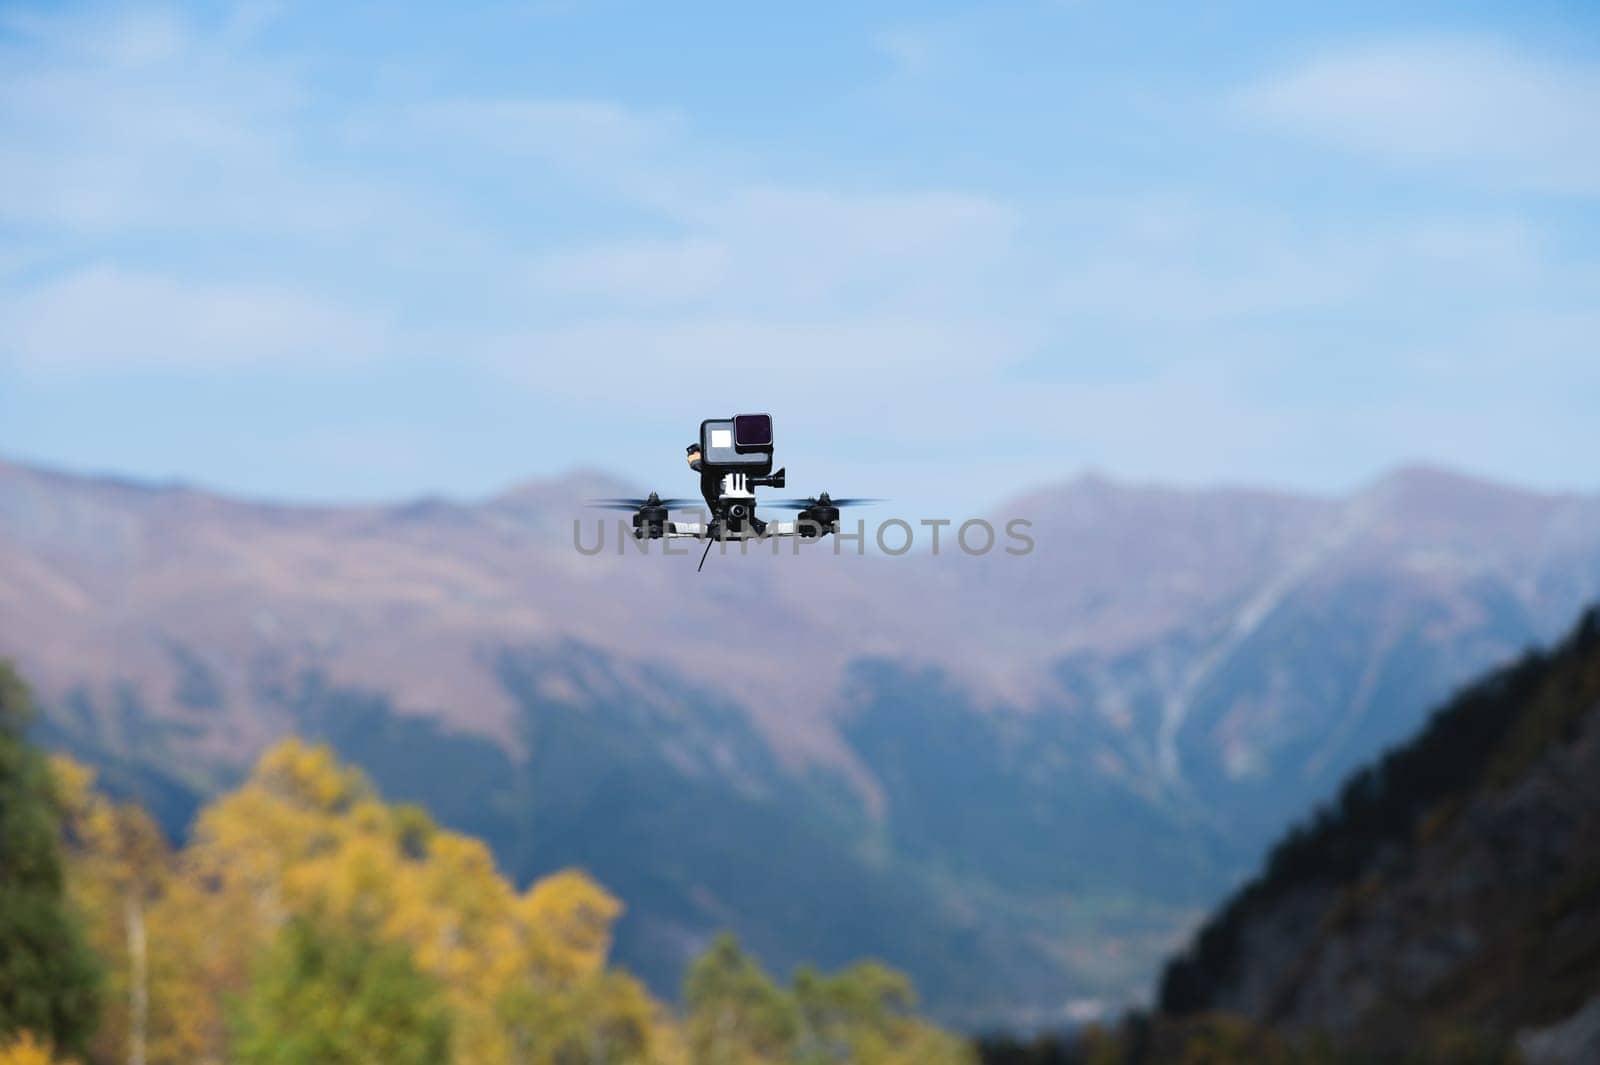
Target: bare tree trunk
x,y
138,980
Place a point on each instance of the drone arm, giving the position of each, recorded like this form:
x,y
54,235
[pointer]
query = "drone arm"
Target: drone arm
x,y
694,530
684,530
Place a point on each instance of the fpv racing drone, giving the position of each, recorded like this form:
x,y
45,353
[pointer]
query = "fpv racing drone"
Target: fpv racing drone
x,y
733,458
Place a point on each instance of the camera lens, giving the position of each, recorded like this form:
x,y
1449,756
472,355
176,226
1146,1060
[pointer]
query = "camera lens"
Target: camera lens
x,y
752,431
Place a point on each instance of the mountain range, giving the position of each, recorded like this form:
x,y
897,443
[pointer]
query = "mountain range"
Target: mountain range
x,y
1021,778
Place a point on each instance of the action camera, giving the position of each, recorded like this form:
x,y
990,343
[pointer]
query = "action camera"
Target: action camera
x,y
741,444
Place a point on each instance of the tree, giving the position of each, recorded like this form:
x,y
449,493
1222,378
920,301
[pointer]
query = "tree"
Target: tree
x,y
865,1015
120,877
605,1018
49,982
862,1015
325,996
560,1005
309,921
523,975
737,1015
25,1049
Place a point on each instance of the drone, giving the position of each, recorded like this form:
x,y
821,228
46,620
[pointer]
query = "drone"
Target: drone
x,y
733,458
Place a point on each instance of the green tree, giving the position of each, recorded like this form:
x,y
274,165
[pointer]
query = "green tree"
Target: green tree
x,y
605,1019
865,1015
49,982
737,1015
324,996
838,1012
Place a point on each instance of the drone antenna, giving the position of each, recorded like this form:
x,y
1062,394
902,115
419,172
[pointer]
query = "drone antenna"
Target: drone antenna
x,y
702,564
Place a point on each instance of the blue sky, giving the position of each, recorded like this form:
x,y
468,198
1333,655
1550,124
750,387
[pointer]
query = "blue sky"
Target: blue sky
x,y
956,250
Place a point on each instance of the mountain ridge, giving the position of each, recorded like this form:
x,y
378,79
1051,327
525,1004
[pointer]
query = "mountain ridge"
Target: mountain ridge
x,y
1408,474
1198,662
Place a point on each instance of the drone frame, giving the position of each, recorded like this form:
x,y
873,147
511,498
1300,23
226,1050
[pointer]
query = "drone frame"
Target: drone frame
x,y
734,456
733,518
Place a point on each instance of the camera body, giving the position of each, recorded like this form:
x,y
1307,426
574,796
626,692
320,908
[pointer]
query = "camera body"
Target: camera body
x,y
741,445
735,460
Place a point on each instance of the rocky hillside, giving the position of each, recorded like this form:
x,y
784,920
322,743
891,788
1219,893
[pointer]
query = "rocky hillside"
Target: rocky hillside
x,y
1020,778
1451,896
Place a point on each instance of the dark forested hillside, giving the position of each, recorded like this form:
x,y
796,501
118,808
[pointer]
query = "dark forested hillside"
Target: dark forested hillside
x,y
1450,896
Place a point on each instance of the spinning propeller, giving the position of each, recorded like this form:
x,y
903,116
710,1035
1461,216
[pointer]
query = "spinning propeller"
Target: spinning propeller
x,y
821,499
652,500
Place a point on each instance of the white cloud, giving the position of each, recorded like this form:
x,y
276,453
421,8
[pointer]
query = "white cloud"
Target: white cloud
x,y
824,252
1196,264
147,125
768,353
911,50
628,275
583,131
792,252
1481,109
601,257
640,156
127,38
142,122
940,47
106,317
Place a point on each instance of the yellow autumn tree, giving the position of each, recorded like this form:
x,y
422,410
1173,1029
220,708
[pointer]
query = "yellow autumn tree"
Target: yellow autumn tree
x,y
154,929
26,1049
119,875
525,973
309,921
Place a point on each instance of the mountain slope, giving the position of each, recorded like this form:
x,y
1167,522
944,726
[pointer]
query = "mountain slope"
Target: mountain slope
x,y
1018,777
1455,885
